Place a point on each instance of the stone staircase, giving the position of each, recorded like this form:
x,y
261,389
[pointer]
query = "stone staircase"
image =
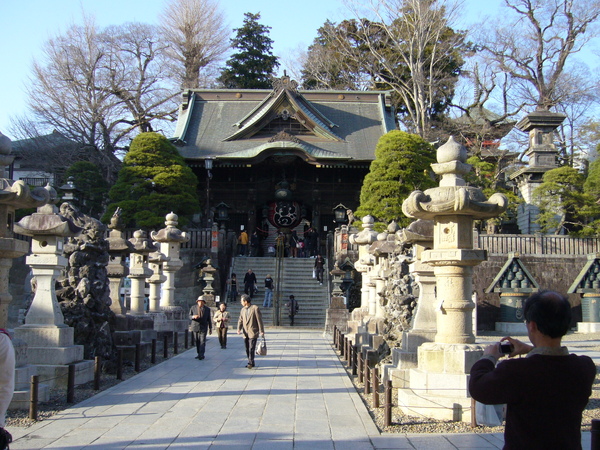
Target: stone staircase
x,y
296,276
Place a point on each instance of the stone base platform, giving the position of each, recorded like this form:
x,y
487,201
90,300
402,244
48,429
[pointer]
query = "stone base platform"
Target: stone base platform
x,y
588,327
57,375
416,403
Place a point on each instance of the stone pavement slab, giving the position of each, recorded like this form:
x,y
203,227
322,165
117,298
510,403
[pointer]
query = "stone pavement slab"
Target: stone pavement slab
x,y
298,397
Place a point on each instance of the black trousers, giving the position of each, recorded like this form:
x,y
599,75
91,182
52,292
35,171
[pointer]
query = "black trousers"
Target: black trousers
x,y
250,348
222,334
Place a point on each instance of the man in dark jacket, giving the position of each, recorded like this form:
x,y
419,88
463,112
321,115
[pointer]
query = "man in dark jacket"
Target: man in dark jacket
x,y
200,315
546,391
249,283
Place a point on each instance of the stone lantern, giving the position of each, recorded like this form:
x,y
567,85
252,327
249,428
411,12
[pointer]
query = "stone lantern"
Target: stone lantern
x,y
587,284
515,284
170,239
119,249
208,275
139,270
337,313
50,342
156,261
438,387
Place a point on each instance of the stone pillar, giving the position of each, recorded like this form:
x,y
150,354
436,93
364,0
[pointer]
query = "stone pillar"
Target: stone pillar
x,y
208,275
438,388
170,240
139,270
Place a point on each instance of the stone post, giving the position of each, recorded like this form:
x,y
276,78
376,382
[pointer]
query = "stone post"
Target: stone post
x,y
337,313
587,284
156,262
139,270
118,249
438,388
170,239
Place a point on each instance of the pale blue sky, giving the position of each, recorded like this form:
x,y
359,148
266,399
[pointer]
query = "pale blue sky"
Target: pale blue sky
x,y
26,24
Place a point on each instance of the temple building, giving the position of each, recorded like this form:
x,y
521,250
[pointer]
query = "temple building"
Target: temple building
x,y
281,158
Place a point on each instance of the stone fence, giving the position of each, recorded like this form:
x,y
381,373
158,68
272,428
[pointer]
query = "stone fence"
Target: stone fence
x,y
538,244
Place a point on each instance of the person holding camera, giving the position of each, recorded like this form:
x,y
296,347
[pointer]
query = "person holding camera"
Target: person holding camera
x,y
547,390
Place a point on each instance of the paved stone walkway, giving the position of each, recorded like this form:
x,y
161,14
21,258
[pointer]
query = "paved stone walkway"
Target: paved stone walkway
x,y
298,397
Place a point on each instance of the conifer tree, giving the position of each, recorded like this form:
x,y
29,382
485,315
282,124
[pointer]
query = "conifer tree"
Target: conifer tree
x,y
254,64
402,165
153,181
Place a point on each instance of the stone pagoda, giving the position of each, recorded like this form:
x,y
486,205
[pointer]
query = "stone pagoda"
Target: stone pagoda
x,y
438,387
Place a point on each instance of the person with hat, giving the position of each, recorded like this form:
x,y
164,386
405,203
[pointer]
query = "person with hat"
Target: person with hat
x,y
200,315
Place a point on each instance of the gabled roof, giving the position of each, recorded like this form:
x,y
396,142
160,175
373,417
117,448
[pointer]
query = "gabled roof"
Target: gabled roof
x,y
251,124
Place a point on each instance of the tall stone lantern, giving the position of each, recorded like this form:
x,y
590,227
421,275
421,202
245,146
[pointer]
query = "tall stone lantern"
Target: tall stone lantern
x,y
170,239
438,387
139,270
13,195
119,249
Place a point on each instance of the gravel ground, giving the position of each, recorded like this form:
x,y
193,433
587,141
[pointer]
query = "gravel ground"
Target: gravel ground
x,y
401,423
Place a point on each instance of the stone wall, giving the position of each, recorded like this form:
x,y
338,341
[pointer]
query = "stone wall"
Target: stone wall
x,y
551,272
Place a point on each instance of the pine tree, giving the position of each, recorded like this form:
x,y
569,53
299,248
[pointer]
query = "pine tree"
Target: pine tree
x,y
402,164
254,65
153,181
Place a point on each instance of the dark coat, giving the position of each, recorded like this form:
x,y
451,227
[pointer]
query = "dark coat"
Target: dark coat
x,y
203,323
545,397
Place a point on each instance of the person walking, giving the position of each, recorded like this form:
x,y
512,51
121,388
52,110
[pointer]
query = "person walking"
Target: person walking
x,y
243,241
233,292
201,323
268,301
222,323
254,244
7,381
251,325
249,283
293,309
294,241
319,268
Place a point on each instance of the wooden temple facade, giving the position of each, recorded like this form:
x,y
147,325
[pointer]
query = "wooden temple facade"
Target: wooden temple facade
x,y
275,159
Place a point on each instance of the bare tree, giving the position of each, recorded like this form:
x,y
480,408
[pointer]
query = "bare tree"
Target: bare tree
x,y
97,88
197,36
415,52
533,43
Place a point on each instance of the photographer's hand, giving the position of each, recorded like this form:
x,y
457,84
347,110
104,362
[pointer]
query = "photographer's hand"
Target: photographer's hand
x,y
519,348
493,350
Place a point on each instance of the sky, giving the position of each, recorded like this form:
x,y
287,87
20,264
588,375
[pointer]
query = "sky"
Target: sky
x,y
25,25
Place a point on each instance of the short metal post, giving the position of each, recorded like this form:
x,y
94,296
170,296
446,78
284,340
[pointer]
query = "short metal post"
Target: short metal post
x,y
474,417
33,397
119,364
186,339
354,361
71,384
97,372
175,343
334,334
166,346
138,357
360,367
375,381
341,346
388,403
153,352
367,381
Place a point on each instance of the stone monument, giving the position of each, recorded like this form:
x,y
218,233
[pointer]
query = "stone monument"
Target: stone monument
x,y
438,387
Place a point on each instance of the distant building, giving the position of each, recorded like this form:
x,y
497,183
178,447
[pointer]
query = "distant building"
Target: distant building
x,y
281,157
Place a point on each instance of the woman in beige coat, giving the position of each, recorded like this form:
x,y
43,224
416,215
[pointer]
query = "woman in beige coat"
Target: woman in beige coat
x,y
221,319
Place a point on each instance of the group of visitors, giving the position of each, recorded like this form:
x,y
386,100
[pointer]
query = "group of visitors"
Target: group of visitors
x,y
250,323
291,244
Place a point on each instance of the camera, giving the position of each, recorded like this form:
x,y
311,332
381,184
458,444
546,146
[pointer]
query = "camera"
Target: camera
x,y
506,348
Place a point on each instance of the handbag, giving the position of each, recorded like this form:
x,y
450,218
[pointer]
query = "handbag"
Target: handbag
x,y
261,347
314,273
489,415
5,438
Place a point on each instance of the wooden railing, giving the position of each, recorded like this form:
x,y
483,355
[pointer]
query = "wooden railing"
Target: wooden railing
x,y
527,244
